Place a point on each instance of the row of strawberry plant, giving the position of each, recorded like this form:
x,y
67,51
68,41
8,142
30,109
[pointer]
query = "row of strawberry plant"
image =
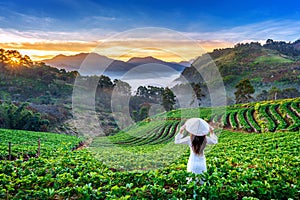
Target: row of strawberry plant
x,y
154,135
135,133
166,133
158,135
281,124
241,116
251,120
232,120
172,131
225,120
295,124
296,108
268,116
263,114
141,140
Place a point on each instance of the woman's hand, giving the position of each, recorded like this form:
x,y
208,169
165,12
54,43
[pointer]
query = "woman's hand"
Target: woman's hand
x,y
211,130
182,129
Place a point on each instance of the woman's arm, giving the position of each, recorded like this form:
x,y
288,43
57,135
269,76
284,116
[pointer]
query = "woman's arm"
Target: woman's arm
x,y
212,138
179,139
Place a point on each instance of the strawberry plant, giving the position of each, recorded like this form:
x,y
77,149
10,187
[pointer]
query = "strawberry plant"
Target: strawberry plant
x,y
142,161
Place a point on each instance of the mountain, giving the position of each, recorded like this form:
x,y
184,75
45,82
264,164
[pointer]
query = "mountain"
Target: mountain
x,y
73,62
150,59
186,63
275,64
88,63
144,60
95,64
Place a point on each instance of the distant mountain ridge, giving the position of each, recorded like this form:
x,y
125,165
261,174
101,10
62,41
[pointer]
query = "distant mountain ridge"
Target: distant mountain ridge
x,y
95,64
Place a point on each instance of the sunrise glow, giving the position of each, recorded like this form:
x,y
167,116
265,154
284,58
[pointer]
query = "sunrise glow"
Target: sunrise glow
x,y
122,50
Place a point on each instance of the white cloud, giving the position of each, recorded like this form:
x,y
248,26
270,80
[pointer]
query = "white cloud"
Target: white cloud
x,y
286,30
13,35
23,21
278,30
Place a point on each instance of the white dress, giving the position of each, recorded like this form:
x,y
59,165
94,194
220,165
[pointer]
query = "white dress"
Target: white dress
x,y
196,163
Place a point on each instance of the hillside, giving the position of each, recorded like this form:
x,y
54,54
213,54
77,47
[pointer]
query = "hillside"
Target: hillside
x,y
275,64
45,94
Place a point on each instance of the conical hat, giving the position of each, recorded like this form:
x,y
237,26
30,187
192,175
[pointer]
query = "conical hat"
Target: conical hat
x,y
197,126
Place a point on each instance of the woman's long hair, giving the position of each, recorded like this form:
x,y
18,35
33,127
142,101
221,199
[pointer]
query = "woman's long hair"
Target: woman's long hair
x,y
198,143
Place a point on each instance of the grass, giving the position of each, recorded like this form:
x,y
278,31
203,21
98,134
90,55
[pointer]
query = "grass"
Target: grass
x,y
272,59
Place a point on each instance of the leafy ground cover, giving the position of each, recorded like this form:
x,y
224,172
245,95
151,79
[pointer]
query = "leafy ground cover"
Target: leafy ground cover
x,y
143,162
25,143
263,166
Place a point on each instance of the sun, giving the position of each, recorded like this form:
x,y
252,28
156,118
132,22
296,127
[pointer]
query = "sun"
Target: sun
x,y
15,60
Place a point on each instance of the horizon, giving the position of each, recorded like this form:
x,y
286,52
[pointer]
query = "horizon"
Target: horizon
x,y
126,59
106,56
43,30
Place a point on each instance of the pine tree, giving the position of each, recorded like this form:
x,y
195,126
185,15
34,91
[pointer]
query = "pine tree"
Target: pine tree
x,y
168,99
244,91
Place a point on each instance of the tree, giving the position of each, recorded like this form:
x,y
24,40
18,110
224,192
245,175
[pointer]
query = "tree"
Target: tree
x,y
143,112
197,93
269,41
19,117
142,92
3,57
105,82
263,96
244,91
168,99
283,47
122,87
152,93
273,92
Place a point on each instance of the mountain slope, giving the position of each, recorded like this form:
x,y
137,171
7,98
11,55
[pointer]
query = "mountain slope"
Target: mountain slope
x,y
88,63
265,67
93,63
73,62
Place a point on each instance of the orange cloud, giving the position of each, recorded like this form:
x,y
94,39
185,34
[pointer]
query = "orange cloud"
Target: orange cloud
x,y
169,50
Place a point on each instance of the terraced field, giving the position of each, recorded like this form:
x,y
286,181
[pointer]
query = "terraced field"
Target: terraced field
x,y
268,116
142,162
140,146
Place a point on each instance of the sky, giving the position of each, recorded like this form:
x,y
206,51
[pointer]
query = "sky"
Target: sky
x,y
118,29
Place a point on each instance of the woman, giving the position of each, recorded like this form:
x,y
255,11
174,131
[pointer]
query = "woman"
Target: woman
x,y
198,139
